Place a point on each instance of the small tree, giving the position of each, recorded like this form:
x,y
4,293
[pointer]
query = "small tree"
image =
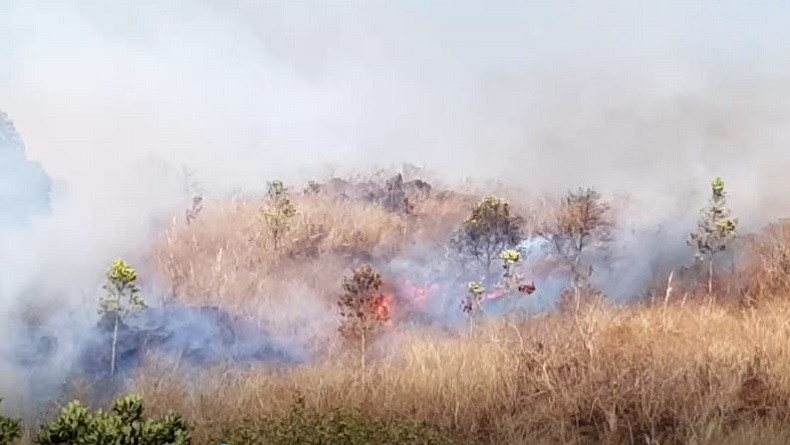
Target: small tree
x,y
512,281
472,305
363,307
122,300
278,212
10,429
582,221
489,230
123,424
715,228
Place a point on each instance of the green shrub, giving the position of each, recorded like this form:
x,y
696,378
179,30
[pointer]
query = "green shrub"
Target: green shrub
x,y
10,430
305,427
124,424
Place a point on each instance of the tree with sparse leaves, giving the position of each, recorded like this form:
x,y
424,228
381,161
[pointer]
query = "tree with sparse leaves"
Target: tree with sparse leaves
x,y
472,304
278,211
121,301
715,229
580,223
512,280
10,429
363,307
512,283
489,230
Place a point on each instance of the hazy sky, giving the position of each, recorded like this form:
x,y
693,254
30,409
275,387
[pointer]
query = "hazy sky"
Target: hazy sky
x,y
631,95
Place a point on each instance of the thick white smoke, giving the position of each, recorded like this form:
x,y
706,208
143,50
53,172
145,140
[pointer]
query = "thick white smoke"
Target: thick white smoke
x,y
645,98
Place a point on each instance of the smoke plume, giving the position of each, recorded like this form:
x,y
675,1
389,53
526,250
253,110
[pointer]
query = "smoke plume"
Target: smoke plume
x,y
648,100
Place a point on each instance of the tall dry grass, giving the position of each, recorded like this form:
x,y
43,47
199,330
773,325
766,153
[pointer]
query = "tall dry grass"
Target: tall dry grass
x,y
684,369
227,256
696,373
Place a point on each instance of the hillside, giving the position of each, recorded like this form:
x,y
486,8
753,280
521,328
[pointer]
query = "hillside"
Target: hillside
x,y
672,365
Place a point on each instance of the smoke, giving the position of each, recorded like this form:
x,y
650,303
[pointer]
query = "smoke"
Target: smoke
x,y
644,99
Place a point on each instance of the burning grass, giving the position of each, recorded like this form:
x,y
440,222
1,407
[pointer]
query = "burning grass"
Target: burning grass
x,y
683,367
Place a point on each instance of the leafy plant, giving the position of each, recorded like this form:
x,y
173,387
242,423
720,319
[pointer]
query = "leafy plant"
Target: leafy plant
x,y
511,284
363,307
278,212
10,429
123,424
715,228
512,281
489,230
121,301
472,303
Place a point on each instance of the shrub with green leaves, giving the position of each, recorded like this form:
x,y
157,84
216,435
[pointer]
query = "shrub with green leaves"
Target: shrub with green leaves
x,y
10,429
123,424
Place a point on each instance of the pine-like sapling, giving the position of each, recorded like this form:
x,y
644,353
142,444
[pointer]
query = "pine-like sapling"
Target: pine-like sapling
x,y
715,229
363,307
121,301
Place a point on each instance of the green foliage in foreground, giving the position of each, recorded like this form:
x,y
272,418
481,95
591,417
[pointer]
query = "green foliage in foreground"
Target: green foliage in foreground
x,y
10,430
123,424
303,427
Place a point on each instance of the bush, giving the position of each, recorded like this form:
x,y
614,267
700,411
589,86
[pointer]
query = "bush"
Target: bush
x,y
123,424
334,428
10,429
488,231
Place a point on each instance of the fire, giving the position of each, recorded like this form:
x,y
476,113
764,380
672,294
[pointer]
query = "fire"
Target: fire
x,y
417,297
524,288
383,307
495,295
399,300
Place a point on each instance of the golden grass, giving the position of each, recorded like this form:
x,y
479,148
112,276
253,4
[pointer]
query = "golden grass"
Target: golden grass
x,y
678,374
227,257
682,371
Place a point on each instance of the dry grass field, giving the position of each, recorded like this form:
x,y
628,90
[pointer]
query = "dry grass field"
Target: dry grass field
x,y
681,367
